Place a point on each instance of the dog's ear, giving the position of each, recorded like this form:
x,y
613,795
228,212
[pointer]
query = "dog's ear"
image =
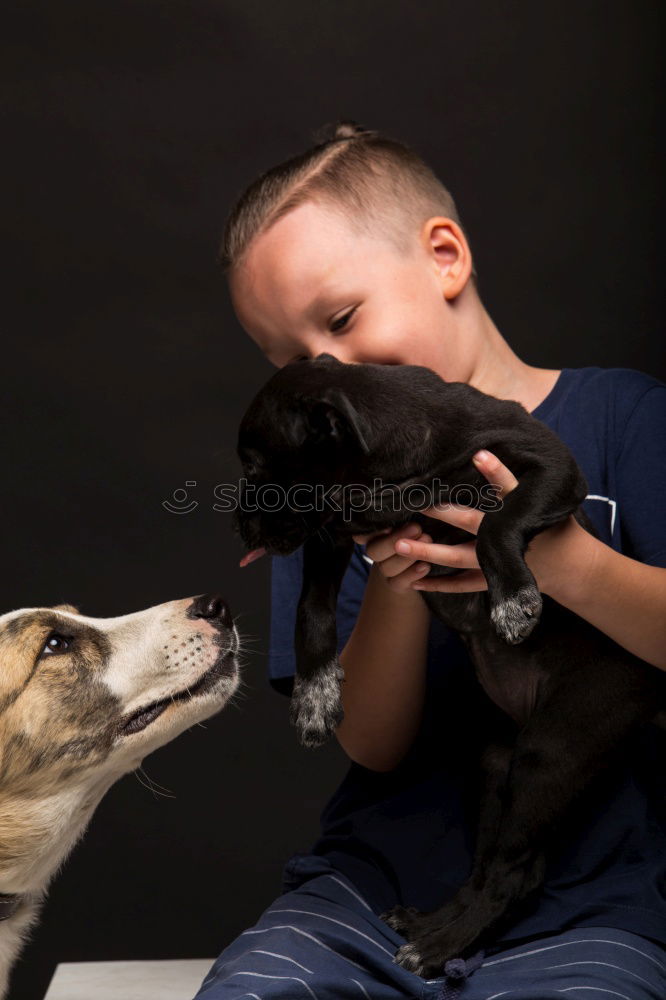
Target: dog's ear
x,y
332,419
344,412
66,607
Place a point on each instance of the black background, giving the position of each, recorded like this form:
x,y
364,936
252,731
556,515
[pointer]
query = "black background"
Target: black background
x,y
127,130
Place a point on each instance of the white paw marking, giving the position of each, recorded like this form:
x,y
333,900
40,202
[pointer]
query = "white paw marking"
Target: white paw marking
x,y
515,617
316,706
409,958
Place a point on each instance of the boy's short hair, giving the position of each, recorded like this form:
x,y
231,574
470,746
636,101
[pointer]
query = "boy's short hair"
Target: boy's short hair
x,y
360,173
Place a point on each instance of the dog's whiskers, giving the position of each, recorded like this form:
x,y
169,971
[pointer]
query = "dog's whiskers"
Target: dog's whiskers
x,y
239,695
242,650
157,790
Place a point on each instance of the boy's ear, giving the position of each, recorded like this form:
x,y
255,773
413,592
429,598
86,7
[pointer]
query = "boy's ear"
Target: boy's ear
x,y
333,419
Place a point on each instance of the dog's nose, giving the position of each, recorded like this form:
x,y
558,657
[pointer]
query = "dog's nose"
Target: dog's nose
x,y
213,607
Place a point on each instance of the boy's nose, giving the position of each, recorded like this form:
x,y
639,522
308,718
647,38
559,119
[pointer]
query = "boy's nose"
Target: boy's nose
x,y
341,356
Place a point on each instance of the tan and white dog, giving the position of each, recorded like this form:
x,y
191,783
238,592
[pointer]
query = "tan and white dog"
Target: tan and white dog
x,y
82,701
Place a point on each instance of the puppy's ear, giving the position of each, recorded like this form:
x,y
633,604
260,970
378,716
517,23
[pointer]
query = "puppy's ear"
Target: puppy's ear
x,y
66,607
331,420
344,412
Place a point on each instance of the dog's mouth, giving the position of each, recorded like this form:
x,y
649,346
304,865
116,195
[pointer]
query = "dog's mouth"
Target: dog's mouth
x,y
145,716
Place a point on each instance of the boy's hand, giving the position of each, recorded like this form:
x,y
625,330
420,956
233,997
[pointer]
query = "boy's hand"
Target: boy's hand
x,y
542,557
400,572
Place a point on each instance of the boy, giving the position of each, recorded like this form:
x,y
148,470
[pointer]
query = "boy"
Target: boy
x,y
355,249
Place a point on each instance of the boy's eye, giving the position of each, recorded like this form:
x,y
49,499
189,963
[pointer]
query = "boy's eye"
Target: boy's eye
x,y
339,323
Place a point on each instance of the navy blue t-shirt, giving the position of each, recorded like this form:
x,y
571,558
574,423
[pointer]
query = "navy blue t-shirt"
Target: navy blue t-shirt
x,y
408,836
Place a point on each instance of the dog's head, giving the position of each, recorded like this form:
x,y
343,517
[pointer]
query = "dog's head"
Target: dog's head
x,y
83,700
325,425
301,431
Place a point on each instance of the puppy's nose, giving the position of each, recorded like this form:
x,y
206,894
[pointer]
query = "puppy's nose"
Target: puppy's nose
x,y
212,607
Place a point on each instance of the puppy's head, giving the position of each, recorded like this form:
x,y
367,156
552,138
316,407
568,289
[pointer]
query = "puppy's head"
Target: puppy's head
x,y
84,696
295,443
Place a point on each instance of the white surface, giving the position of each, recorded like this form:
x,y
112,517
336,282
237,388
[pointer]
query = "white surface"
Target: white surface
x,y
171,980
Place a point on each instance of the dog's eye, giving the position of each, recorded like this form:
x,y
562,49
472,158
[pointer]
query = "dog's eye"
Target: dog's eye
x,y
56,643
252,464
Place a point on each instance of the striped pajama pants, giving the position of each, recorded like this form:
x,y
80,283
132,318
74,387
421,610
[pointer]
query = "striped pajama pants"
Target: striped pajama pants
x,y
322,941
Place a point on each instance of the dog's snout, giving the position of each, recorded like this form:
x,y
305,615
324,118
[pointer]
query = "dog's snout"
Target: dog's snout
x,y
212,607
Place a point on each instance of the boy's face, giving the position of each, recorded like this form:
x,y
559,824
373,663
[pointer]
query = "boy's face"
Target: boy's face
x,y
310,285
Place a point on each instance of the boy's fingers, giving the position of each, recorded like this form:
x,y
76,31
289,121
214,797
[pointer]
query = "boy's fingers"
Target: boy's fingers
x,y
391,565
364,539
460,556
403,581
464,583
461,517
495,471
381,546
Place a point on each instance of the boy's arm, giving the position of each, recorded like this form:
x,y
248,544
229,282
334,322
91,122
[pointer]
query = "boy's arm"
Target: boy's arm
x,y
384,657
385,674
624,598
620,596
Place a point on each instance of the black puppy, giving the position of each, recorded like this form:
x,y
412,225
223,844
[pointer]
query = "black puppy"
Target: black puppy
x,y
572,693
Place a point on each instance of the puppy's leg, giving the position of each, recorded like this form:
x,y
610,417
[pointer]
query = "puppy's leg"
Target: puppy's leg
x,y
413,923
543,497
567,742
316,703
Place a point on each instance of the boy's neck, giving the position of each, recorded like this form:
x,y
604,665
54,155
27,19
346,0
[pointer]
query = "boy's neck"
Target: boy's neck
x,y
510,378
495,369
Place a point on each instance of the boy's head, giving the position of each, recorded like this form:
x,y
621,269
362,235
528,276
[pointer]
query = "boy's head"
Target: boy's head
x,y
353,248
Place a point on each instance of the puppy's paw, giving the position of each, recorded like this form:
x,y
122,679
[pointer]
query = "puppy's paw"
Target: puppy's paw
x,y
514,617
411,957
429,956
402,919
316,705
